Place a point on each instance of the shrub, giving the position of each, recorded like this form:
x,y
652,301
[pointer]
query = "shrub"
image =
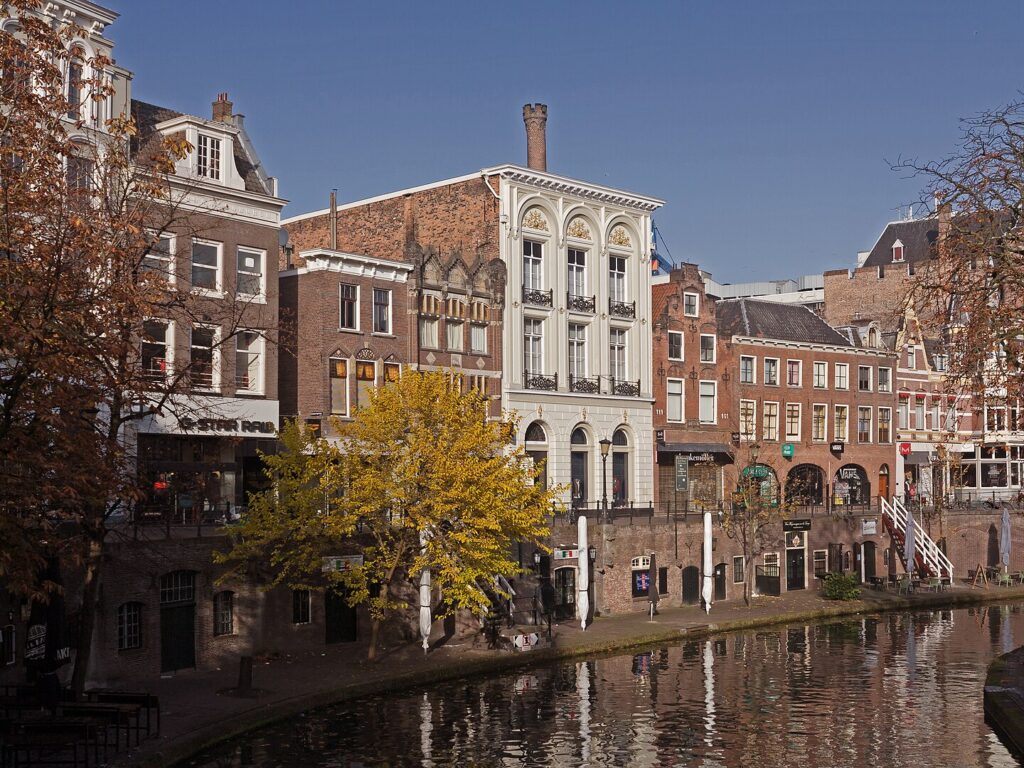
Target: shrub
x,y
840,586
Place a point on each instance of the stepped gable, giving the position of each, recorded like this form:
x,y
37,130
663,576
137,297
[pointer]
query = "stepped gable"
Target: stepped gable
x,y
919,239
773,320
148,116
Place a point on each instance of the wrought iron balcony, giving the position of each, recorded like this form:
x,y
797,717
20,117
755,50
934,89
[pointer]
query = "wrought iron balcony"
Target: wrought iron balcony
x,y
591,385
626,309
581,303
540,381
537,297
626,388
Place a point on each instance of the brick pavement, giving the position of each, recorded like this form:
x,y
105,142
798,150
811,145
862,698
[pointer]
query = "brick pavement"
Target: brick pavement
x,y
196,712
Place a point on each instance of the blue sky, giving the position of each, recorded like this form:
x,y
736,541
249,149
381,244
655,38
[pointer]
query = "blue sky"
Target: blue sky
x,y
766,126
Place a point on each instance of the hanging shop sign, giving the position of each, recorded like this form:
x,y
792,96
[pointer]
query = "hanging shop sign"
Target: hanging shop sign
x,y
868,527
904,449
836,447
682,473
341,563
788,450
566,554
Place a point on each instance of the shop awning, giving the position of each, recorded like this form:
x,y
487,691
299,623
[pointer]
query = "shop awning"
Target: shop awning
x,y
721,448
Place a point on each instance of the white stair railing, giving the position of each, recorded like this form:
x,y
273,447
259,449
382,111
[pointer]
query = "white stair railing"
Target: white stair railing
x,y
934,558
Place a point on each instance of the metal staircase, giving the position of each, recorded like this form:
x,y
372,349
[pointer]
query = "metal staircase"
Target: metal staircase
x,y
928,558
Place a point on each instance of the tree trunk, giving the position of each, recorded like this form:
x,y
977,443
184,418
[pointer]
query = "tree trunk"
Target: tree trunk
x,y
371,654
748,572
87,614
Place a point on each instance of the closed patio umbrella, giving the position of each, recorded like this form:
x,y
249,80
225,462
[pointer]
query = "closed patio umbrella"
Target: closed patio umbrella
x,y
910,541
1004,540
425,617
583,558
47,645
708,587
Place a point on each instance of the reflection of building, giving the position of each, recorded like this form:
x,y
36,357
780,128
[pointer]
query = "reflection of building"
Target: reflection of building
x,y
563,264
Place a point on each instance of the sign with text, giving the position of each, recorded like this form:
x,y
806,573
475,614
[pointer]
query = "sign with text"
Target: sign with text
x,y
802,524
214,416
566,554
682,473
836,447
788,450
868,527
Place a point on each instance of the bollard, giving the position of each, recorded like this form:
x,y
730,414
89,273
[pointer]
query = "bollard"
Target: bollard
x,y
245,673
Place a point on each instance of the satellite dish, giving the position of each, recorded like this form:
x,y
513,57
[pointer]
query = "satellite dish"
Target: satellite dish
x,y
282,237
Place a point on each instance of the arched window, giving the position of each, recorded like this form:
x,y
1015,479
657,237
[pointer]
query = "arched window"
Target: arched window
x,y
620,467
76,62
579,459
873,337
579,437
535,433
537,450
129,626
224,613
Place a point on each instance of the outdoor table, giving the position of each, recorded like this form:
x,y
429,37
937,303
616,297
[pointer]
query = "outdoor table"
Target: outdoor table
x,y
878,582
147,701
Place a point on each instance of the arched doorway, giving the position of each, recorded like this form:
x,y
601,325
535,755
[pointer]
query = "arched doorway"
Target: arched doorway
x,y
883,481
805,485
691,585
620,468
579,460
851,487
537,449
759,482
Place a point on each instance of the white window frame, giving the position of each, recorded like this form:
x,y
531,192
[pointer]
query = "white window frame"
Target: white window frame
x,y
799,372
357,309
751,435
218,289
753,369
871,424
696,304
682,346
910,361
261,256
820,374
533,266
480,328
261,358
428,341
345,387
743,569
714,401
799,421
682,401
824,429
771,558
844,369
168,345
454,331
878,424
888,386
216,356
871,378
539,336
171,262
621,348
618,278
764,371
714,348
835,422
765,408
389,318
577,348
576,271
209,156
814,560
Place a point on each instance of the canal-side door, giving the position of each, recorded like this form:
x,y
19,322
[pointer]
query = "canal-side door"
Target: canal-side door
x,y
339,618
795,578
177,621
868,553
565,593
691,585
858,563
720,581
579,478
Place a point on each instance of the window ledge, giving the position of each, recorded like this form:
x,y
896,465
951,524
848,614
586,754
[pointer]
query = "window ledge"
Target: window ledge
x,y
206,293
350,330
243,297
380,335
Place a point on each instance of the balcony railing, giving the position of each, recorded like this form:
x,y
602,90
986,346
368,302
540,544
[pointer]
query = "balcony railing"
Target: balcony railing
x,y
626,388
581,303
537,297
626,309
201,377
540,381
588,384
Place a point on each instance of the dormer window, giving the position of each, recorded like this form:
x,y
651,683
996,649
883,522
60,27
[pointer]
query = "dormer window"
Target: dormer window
x,y
897,251
208,157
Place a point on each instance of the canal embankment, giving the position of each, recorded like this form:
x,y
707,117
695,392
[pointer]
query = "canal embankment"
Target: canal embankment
x,y
1004,698
198,713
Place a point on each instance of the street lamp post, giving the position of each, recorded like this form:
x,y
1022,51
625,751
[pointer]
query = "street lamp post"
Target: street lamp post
x,y
605,444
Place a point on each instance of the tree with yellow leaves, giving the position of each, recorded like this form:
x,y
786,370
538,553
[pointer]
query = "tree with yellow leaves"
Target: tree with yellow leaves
x,y
420,479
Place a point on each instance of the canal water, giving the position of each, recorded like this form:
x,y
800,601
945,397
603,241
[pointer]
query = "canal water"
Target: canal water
x,y
895,689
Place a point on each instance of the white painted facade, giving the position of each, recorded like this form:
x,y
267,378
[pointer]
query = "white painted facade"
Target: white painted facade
x,y
604,224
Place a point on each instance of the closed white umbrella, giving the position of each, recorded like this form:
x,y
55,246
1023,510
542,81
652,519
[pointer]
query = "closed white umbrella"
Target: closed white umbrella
x,y
425,619
1004,540
709,694
708,589
583,580
910,541
583,691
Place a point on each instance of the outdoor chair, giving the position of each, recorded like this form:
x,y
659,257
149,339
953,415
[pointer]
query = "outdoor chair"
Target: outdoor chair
x,y
1004,579
934,584
904,586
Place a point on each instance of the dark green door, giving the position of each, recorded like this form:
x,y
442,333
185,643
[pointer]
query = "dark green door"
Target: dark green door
x,y
177,637
691,585
339,618
795,569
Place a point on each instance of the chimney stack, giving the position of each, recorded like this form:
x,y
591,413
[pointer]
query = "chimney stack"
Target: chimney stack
x,y
536,117
334,219
222,108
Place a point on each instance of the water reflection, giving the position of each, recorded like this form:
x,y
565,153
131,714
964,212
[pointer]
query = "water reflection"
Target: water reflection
x,y
889,690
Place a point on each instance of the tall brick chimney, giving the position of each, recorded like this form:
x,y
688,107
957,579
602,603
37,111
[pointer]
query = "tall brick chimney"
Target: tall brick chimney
x,y
222,108
536,118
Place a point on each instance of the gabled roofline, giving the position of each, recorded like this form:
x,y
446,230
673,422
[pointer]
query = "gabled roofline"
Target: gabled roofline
x,y
516,173
901,221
